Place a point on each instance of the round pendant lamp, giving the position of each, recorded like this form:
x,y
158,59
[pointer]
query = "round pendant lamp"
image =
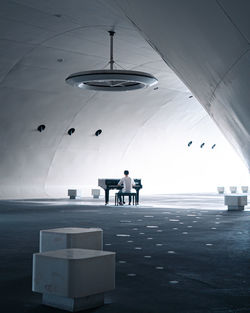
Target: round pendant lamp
x,y
111,79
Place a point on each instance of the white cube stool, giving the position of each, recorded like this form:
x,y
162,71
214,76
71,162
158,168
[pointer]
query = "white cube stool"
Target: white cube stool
x,y
220,190
95,193
73,193
71,237
235,202
233,189
73,279
244,189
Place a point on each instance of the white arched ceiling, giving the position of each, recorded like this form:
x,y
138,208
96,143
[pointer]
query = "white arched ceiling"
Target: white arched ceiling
x,y
146,131
206,43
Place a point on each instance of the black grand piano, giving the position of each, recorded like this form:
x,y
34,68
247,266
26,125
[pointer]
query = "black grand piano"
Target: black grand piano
x,y
112,183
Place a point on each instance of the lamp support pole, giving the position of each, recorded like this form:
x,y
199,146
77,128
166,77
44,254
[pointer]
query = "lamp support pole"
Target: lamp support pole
x,y
111,62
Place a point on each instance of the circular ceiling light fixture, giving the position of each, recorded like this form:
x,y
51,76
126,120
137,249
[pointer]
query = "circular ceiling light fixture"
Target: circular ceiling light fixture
x,y
112,79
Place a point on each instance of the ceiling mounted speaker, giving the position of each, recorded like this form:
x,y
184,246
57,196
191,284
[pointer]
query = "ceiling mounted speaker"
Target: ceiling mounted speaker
x,y
41,128
98,132
71,131
112,79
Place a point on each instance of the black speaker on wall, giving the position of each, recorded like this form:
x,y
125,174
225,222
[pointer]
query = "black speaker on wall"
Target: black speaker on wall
x,y
71,131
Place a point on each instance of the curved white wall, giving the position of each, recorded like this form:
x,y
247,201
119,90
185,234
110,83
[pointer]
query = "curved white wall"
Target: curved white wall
x,y
145,131
206,43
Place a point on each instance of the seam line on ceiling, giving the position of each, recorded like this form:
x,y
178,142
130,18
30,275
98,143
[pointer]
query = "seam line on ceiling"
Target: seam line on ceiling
x,y
154,47
42,43
24,5
231,20
146,121
62,137
226,73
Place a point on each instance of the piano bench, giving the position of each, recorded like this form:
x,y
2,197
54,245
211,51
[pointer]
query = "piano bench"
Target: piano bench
x,y
124,194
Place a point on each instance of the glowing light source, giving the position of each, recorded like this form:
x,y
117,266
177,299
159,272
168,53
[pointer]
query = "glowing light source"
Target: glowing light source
x,y
111,80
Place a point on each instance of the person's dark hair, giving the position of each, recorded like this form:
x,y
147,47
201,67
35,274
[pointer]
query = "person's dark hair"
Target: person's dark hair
x,y
126,172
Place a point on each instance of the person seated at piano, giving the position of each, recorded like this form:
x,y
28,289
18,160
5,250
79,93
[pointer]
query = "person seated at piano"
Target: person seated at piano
x,y
127,183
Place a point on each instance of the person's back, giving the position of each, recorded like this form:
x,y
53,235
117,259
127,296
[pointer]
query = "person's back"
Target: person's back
x,y
127,183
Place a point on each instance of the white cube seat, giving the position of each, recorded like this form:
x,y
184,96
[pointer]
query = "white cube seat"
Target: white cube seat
x,y
73,279
235,202
73,193
71,237
244,189
95,193
220,190
233,189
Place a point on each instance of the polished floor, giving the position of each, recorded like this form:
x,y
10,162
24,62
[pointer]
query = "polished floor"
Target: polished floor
x,y
176,254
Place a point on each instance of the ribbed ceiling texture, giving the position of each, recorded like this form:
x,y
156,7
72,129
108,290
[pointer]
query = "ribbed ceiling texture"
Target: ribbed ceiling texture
x,y
199,52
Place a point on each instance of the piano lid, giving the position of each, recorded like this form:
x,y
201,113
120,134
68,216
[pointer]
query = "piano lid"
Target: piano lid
x,y
105,182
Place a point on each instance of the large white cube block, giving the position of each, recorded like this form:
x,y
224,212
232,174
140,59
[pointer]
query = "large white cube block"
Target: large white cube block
x,y
235,202
71,237
73,304
73,279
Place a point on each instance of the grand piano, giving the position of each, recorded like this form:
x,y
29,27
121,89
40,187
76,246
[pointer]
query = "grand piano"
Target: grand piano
x,y
112,183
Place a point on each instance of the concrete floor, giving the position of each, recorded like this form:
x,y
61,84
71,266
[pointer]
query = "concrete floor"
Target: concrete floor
x,y
181,254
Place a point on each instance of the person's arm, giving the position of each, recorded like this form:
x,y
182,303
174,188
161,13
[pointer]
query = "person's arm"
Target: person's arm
x,y
120,182
133,182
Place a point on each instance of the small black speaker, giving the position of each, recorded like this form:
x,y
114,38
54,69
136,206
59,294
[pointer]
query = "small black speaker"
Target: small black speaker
x,y
41,128
71,131
98,132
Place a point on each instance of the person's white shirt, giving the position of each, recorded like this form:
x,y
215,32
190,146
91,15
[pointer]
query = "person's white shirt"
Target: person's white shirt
x,y
127,183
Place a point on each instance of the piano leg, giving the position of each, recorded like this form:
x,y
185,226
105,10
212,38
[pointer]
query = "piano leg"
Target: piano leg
x,y
137,197
106,196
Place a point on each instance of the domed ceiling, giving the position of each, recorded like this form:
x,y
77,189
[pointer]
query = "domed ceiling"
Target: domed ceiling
x,y
146,131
